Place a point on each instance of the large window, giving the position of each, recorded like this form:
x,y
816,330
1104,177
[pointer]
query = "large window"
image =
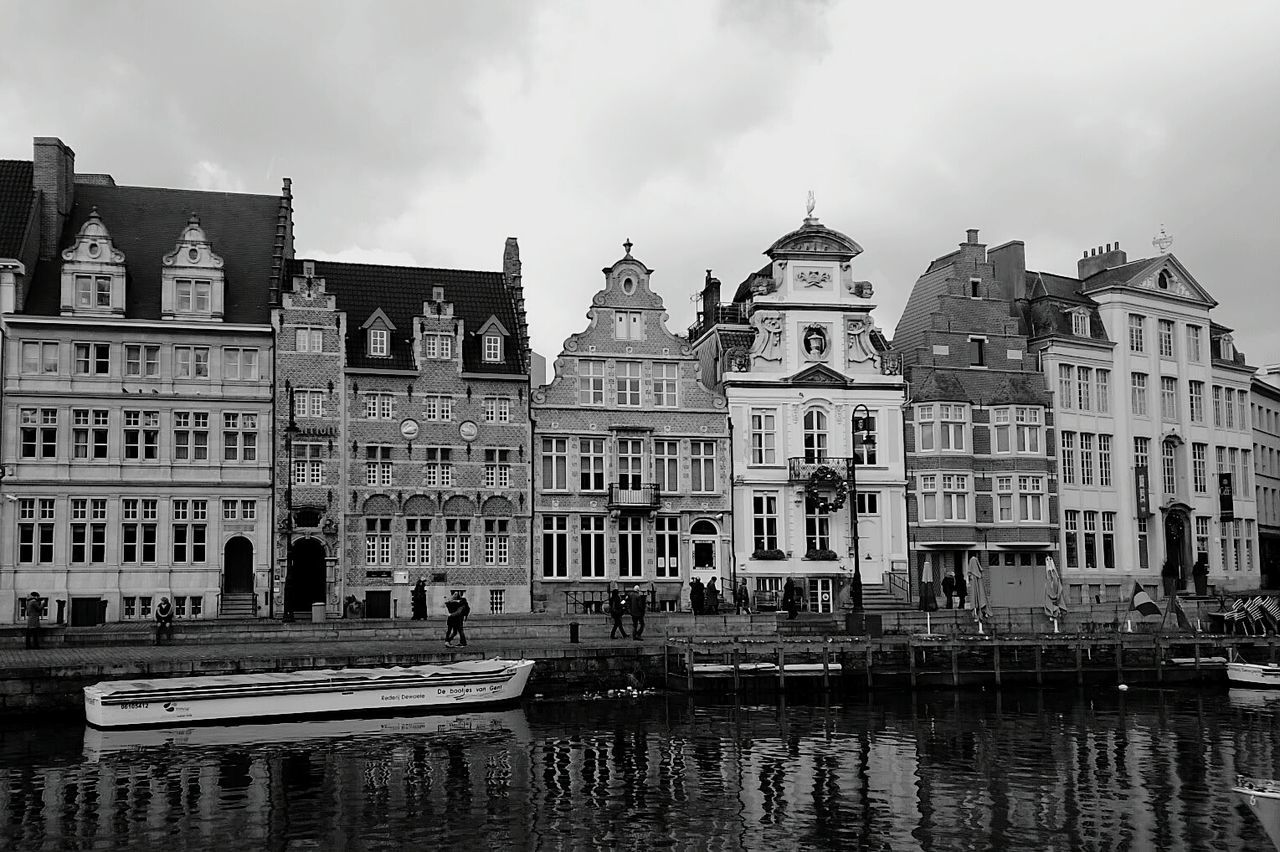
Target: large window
x,y
591,541
629,384
944,497
667,544
379,406
815,435
665,381
93,291
703,464
555,464
666,465
764,436
417,541
864,439
1086,458
437,347
308,464
1138,394
1103,395
1068,456
764,520
497,541
1164,328
439,470
39,357
590,382
952,422
239,365
1169,467
138,529
1066,386
1104,461
630,463
1084,387
627,325
817,527
1109,540
591,464
239,436
377,541
1199,471
1137,333
377,466
1196,392
457,541
93,359
190,436
308,339
1004,498
191,362
89,433
1193,343
308,403
141,435
497,469
38,433
88,530
497,409
1071,535
630,549
1031,496
1017,429
437,408
190,529
1217,406
144,361
1090,540
193,294
1169,399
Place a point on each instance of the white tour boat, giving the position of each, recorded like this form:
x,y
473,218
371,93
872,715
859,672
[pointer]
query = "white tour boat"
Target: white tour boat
x,y
1262,796
217,698
1254,674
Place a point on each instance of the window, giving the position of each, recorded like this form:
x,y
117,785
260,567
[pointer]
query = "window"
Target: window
x,y
704,465
1193,343
817,527
975,288
417,541
377,541
1090,540
591,540
138,530
667,544
141,435
497,469
1109,540
92,359
764,520
1031,498
1225,544
89,433
1164,330
1137,333
437,347
191,362
977,351
815,435
555,464
239,365
1104,461
308,339
1086,458
378,342
308,464
590,382
1071,530
190,519
234,510
630,550
1138,394
439,471
144,361
308,403
1168,399
665,380
627,325
1022,435
1080,323
952,420
457,541
1196,390
93,291
190,436
630,462
1199,472
864,439
38,432
492,348
1103,396
437,408
239,436
35,530
379,406
629,383
497,541
1217,406
497,601
1066,386
497,409
1004,498
88,540
1141,452
1084,384
1168,467
193,294
947,503
377,465
39,357
924,427
666,465
764,436
1228,408
1068,455
591,464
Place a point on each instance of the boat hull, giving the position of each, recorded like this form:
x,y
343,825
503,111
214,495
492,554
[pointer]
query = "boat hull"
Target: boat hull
x,y
1263,798
185,701
1254,675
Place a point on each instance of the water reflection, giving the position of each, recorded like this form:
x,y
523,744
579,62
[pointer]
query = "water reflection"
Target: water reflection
x,y
1037,770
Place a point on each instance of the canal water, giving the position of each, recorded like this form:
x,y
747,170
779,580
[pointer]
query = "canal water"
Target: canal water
x,y
1038,770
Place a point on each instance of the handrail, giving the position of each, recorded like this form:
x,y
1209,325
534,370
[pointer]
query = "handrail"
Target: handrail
x,y
899,585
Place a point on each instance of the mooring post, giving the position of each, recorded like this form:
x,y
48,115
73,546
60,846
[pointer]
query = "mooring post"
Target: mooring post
x,y
1079,666
1039,672
995,659
826,667
955,665
1197,647
911,657
688,666
1159,661
782,670
1120,660
737,686
870,654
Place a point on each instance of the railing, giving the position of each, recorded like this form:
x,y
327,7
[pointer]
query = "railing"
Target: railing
x,y
596,602
644,497
899,585
801,468
707,319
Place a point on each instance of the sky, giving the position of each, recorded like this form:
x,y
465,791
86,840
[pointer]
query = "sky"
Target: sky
x,y
425,133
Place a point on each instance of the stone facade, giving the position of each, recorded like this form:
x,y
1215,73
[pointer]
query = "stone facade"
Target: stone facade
x,y
402,437
1265,404
632,475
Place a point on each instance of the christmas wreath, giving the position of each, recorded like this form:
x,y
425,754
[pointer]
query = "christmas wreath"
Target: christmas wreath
x,y
820,487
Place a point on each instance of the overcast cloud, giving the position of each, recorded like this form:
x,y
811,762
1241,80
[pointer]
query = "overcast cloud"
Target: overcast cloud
x,y
425,132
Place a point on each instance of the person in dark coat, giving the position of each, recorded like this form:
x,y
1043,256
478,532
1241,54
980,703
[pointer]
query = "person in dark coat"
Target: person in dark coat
x,y
637,603
697,596
418,599
164,620
463,611
32,634
712,603
962,590
741,597
616,610
789,599
948,587
452,622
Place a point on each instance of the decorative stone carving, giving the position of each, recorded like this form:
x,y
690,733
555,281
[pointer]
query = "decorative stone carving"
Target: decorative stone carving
x,y
763,285
860,289
737,360
768,342
891,365
819,278
860,347
816,343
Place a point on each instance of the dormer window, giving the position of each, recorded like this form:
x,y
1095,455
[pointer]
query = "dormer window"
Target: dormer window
x,y
1227,348
93,272
93,291
378,342
192,277
493,347
1080,323
493,337
193,295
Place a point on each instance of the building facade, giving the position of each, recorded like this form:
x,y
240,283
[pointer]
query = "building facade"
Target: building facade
x,y
402,436
979,437
1265,405
632,483
816,405
137,375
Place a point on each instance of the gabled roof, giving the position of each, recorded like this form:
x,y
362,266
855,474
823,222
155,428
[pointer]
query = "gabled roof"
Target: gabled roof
x,y
818,374
1051,299
360,289
17,205
1136,272
146,222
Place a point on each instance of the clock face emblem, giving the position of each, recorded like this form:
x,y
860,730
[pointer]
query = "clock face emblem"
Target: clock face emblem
x,y
468,430
409,429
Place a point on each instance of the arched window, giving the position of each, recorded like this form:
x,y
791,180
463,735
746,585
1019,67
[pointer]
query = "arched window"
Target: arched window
x,y
1163,280
815,435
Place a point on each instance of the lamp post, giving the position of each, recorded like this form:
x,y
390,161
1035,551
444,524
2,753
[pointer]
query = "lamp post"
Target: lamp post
x,y
857,428
290,432
733,532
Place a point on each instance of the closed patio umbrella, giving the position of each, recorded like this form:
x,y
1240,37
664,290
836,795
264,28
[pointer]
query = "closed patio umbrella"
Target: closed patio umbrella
x,y
928,598
1052,590
978,590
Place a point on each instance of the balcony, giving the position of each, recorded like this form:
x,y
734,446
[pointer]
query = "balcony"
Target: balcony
x,y
801,469
732,314
641,498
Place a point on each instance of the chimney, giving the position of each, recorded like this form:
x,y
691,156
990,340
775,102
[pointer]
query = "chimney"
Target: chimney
x,y
971,236
54,176
1010,263
1100,259
511,261
710,294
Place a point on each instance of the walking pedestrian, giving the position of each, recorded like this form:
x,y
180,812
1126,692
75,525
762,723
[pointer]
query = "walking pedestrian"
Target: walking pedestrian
x,y
453,606
616,610
636,605
164,620
948,588
697,596
790,599
418,600
463,611
712,603
32,635
742,598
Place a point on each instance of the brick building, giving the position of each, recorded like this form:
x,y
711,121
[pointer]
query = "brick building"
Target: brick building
x,y
402,437
136,370
980,459
632,481
816,405
1265,404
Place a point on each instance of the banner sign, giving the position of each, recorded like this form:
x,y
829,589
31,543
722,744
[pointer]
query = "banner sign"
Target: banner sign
x,y
1142,490
1226,507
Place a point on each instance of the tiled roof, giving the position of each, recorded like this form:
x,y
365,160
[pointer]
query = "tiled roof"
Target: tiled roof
x,y
1119,274
744,289
17,198
1051,297
399,291
145,223
982,387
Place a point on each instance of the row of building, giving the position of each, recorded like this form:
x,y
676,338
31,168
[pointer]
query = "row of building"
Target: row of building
x,y
187,409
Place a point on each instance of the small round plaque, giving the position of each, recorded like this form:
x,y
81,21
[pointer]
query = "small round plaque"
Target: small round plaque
x,y
409,429
468,430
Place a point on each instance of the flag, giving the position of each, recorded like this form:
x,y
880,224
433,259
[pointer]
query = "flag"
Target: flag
x,y
1142,602
1180,614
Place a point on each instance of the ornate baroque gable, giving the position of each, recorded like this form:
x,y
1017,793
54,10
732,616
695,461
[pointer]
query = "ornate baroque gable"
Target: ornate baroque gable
x,y
93,272
192,279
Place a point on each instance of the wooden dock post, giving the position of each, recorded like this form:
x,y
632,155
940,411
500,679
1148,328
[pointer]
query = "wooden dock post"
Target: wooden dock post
x,y
688,666
1079,667
737,685
1197,647
826,668
1159,661
1119,660
911,657
1039,671
782,670
1271,648
870,655
995,659
955,665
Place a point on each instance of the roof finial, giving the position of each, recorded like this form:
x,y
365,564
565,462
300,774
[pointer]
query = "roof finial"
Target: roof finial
x,y
1162,240
809,205
627,246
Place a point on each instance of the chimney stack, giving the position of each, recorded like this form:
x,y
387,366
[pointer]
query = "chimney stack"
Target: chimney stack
x,y
54,176
1100,259
971,236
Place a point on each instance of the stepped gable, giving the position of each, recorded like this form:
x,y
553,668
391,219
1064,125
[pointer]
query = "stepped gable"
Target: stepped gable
x,y
146,223
399,292
17,205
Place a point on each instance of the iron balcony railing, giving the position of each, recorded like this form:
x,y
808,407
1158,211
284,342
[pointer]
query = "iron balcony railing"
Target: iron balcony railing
x,y
718,315
802,468
643,497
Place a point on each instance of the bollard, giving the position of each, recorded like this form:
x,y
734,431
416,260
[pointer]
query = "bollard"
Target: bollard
x,y
573,632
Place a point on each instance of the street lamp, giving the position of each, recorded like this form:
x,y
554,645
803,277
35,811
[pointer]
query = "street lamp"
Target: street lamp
x,y
858,421
290,432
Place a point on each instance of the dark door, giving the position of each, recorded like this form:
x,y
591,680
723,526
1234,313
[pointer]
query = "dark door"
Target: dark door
x,y
86,612
305,583
377,604
237,566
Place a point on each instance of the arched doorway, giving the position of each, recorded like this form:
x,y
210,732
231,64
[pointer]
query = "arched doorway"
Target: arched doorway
x,y
1177,548
237,566
706,546
305,583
